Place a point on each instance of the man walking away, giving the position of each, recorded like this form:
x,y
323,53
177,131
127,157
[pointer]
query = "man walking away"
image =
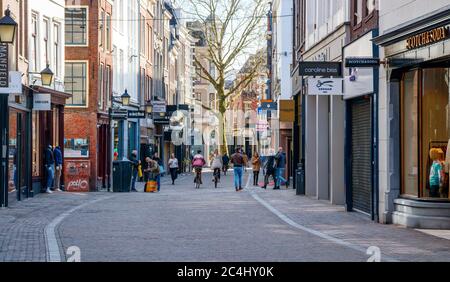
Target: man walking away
x,y
49,164
173,166
280,159
134,169
58,167
238,163
225,161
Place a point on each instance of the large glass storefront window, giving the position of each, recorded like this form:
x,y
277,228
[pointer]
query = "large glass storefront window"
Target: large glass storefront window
x,y
426,133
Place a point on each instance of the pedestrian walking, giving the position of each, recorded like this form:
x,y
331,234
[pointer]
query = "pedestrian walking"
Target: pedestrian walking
x,y
134,169
225,163
256,162
280,159
269,168
238,161
161,169
216,163
49,165
173,167
58,167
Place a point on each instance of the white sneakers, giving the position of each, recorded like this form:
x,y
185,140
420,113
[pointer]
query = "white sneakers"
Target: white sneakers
x,y
48,191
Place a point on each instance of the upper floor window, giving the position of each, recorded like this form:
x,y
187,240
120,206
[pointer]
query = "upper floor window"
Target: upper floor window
x,y
370,6
108,32
76,83
76,27
34,43
357,12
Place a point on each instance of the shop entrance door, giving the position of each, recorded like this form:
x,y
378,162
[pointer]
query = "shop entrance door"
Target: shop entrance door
x,y
361,156
17,165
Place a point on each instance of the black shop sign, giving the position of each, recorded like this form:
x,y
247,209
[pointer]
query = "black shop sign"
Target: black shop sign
x,y
320,69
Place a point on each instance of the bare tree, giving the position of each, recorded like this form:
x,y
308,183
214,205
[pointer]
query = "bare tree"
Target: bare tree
x,y
232,29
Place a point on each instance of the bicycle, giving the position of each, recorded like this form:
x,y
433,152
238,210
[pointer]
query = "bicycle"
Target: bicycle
x,y
197,179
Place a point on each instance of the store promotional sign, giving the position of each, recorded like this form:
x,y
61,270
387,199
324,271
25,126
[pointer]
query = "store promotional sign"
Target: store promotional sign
x,y
359,67
325,86
4,75
42,102
320,69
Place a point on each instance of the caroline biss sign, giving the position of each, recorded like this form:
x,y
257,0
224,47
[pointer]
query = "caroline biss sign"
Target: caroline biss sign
x,y
42,102
325,86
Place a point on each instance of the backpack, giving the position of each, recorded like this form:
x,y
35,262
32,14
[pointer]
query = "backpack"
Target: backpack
x,y
198,162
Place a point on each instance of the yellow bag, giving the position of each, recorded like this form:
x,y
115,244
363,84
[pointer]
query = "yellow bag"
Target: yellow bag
x,y
140,171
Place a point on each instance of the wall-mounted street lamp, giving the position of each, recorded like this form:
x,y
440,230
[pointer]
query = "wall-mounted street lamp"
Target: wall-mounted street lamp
x,y
46,76
8,28
149,108
126,98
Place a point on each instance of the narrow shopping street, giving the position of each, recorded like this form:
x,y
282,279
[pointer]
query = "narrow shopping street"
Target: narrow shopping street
x,y
184,224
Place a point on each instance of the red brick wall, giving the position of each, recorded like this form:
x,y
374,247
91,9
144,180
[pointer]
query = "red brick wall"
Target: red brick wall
x,y
82,122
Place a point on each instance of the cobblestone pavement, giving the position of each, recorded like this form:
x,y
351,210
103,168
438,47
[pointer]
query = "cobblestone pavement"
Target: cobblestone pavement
x,y
181,223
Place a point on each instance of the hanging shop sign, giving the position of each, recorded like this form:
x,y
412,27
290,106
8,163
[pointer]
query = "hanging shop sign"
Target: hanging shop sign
x,y
287,110
119,114
362,62
4,67
136,114
42,102
320,69
325,86
268,106
427,37
159,106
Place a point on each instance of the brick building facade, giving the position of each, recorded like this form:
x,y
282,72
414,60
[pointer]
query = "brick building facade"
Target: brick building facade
x,y
89,78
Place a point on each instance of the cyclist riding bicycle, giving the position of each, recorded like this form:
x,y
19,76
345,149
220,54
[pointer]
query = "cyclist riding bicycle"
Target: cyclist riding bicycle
x,y
216,163
197,163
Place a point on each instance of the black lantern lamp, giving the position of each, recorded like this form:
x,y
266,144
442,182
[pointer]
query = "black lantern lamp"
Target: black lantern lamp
x,y
46,76
126,98
8,28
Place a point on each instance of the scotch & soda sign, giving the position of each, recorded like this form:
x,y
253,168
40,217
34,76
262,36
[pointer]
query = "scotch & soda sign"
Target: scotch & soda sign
x,y
427,37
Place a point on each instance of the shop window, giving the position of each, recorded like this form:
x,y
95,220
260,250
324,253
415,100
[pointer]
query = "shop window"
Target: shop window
x,y
76,148
410,134
425,127
36,144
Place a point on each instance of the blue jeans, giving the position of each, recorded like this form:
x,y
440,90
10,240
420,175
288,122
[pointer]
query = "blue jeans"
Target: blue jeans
x,y
280,176
133,179
238,177
50,176
158,180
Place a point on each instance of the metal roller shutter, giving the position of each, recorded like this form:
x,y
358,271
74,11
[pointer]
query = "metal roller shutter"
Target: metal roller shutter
x,y
361,155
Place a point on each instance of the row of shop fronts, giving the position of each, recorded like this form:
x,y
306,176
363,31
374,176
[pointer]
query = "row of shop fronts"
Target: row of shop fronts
x,y
30,132
366,144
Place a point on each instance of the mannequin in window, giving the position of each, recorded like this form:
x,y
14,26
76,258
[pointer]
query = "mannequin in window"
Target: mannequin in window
x,y
436,172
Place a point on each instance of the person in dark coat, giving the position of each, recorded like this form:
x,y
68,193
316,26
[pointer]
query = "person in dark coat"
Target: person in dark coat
x,y
270,169
280,159
58,167
226,163
134,169
49,165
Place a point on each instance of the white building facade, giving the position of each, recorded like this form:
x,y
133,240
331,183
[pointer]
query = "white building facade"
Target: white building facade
x,y
327,31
